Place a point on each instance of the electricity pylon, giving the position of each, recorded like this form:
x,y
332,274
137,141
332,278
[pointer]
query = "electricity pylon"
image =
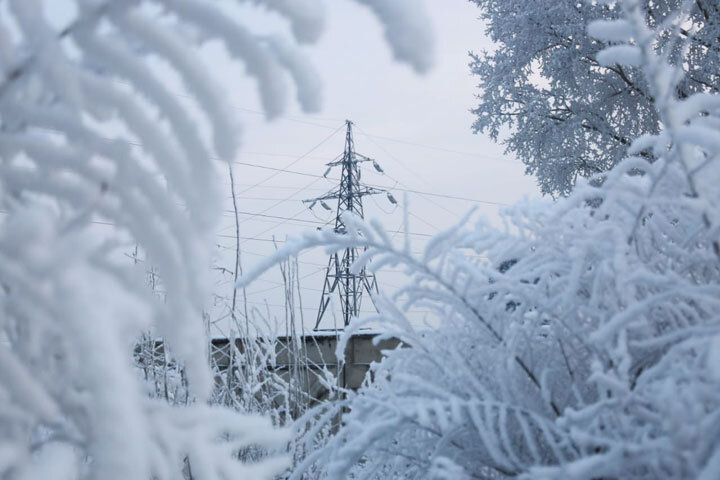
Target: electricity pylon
x,y
338,277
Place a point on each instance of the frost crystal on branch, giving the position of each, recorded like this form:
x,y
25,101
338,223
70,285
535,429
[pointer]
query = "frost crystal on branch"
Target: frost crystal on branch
x,y
90,134
566,111
585,347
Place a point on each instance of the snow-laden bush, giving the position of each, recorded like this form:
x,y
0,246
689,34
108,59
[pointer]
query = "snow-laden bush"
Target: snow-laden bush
x,y
566,114
90,133
585,347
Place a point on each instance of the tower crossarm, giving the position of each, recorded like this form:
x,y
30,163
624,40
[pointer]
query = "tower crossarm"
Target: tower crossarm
x,y
355,158
359,192
328,196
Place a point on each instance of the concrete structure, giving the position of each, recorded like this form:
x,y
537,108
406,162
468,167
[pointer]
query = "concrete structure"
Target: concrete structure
x,y
312,353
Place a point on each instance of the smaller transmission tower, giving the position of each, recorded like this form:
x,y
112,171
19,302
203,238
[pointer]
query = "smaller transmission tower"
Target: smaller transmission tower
x,y
338,277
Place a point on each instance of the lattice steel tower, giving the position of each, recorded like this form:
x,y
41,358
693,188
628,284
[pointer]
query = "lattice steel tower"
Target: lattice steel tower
x,y
338,277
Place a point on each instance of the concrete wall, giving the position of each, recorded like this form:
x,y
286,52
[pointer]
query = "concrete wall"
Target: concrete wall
x,y
314,352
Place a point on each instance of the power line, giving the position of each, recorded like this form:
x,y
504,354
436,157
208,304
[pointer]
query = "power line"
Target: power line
x,y
280,284
323,266
265,167
273,222
304,121
284,155
284,169
277,305
255,238
294,172
244,251
272,240
315,147
249,111
408,190
269,199
278,187
279,223
412,172
440,149
285,199
451,197
291,194
315,222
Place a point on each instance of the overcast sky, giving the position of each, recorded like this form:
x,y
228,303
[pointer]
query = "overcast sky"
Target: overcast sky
x,y
417,127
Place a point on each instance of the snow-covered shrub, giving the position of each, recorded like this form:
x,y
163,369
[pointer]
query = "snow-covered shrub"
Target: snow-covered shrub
x,y
91,134
569,115
268,365
585,347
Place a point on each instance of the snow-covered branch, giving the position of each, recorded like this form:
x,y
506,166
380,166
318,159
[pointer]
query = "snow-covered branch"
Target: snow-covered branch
x,y
608,297
92,138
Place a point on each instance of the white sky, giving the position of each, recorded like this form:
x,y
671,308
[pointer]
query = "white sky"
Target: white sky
x,y
418,129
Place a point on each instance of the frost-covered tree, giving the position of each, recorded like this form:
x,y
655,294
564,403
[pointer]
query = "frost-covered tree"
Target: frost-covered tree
x,y
90,133
559,110
586,346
